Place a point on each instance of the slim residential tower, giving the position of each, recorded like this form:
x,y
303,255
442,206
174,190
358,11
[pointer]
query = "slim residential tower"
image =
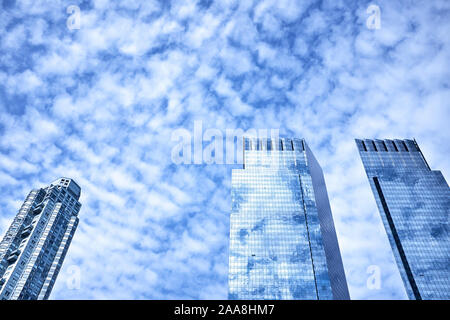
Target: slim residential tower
x,y
283,243
414,204
34,247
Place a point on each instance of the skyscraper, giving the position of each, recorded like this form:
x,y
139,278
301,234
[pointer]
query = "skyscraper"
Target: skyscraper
x,y
283,244
414,204
34,247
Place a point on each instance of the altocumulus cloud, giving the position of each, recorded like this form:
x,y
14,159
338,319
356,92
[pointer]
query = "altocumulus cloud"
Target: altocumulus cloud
x,y
99,104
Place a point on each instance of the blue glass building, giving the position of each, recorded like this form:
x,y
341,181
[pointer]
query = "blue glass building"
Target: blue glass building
x,y
414,204
283,244
34,247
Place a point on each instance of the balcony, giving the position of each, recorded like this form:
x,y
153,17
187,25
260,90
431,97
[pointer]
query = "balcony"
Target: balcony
x,y
12,258
15,252
26,232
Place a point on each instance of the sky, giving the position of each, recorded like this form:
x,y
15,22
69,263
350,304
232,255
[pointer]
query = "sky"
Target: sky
x,y
100,103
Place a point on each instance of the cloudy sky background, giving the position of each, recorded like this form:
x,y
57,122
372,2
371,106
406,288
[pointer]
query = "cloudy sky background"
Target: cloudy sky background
x,y
100,104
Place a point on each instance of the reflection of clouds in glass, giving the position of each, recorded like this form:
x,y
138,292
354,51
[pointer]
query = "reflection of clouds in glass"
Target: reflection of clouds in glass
x,y
290,249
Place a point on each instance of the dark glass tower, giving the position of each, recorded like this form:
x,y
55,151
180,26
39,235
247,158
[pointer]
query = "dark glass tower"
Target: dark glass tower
x,y
414,203
34,247
283,244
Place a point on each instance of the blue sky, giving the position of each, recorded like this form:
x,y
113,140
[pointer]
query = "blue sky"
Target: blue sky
x,y
100,104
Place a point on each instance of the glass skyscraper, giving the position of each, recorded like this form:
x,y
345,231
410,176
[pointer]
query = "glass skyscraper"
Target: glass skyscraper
x,y
283,243
34,247
414,204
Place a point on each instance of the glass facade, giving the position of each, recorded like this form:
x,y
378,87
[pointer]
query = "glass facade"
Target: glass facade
x,y
34,247
283,244
414,203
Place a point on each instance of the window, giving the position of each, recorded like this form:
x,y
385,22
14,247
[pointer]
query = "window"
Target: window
x,y
258,144
364,145
404,144
288,144
395,146
269,144
247,143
